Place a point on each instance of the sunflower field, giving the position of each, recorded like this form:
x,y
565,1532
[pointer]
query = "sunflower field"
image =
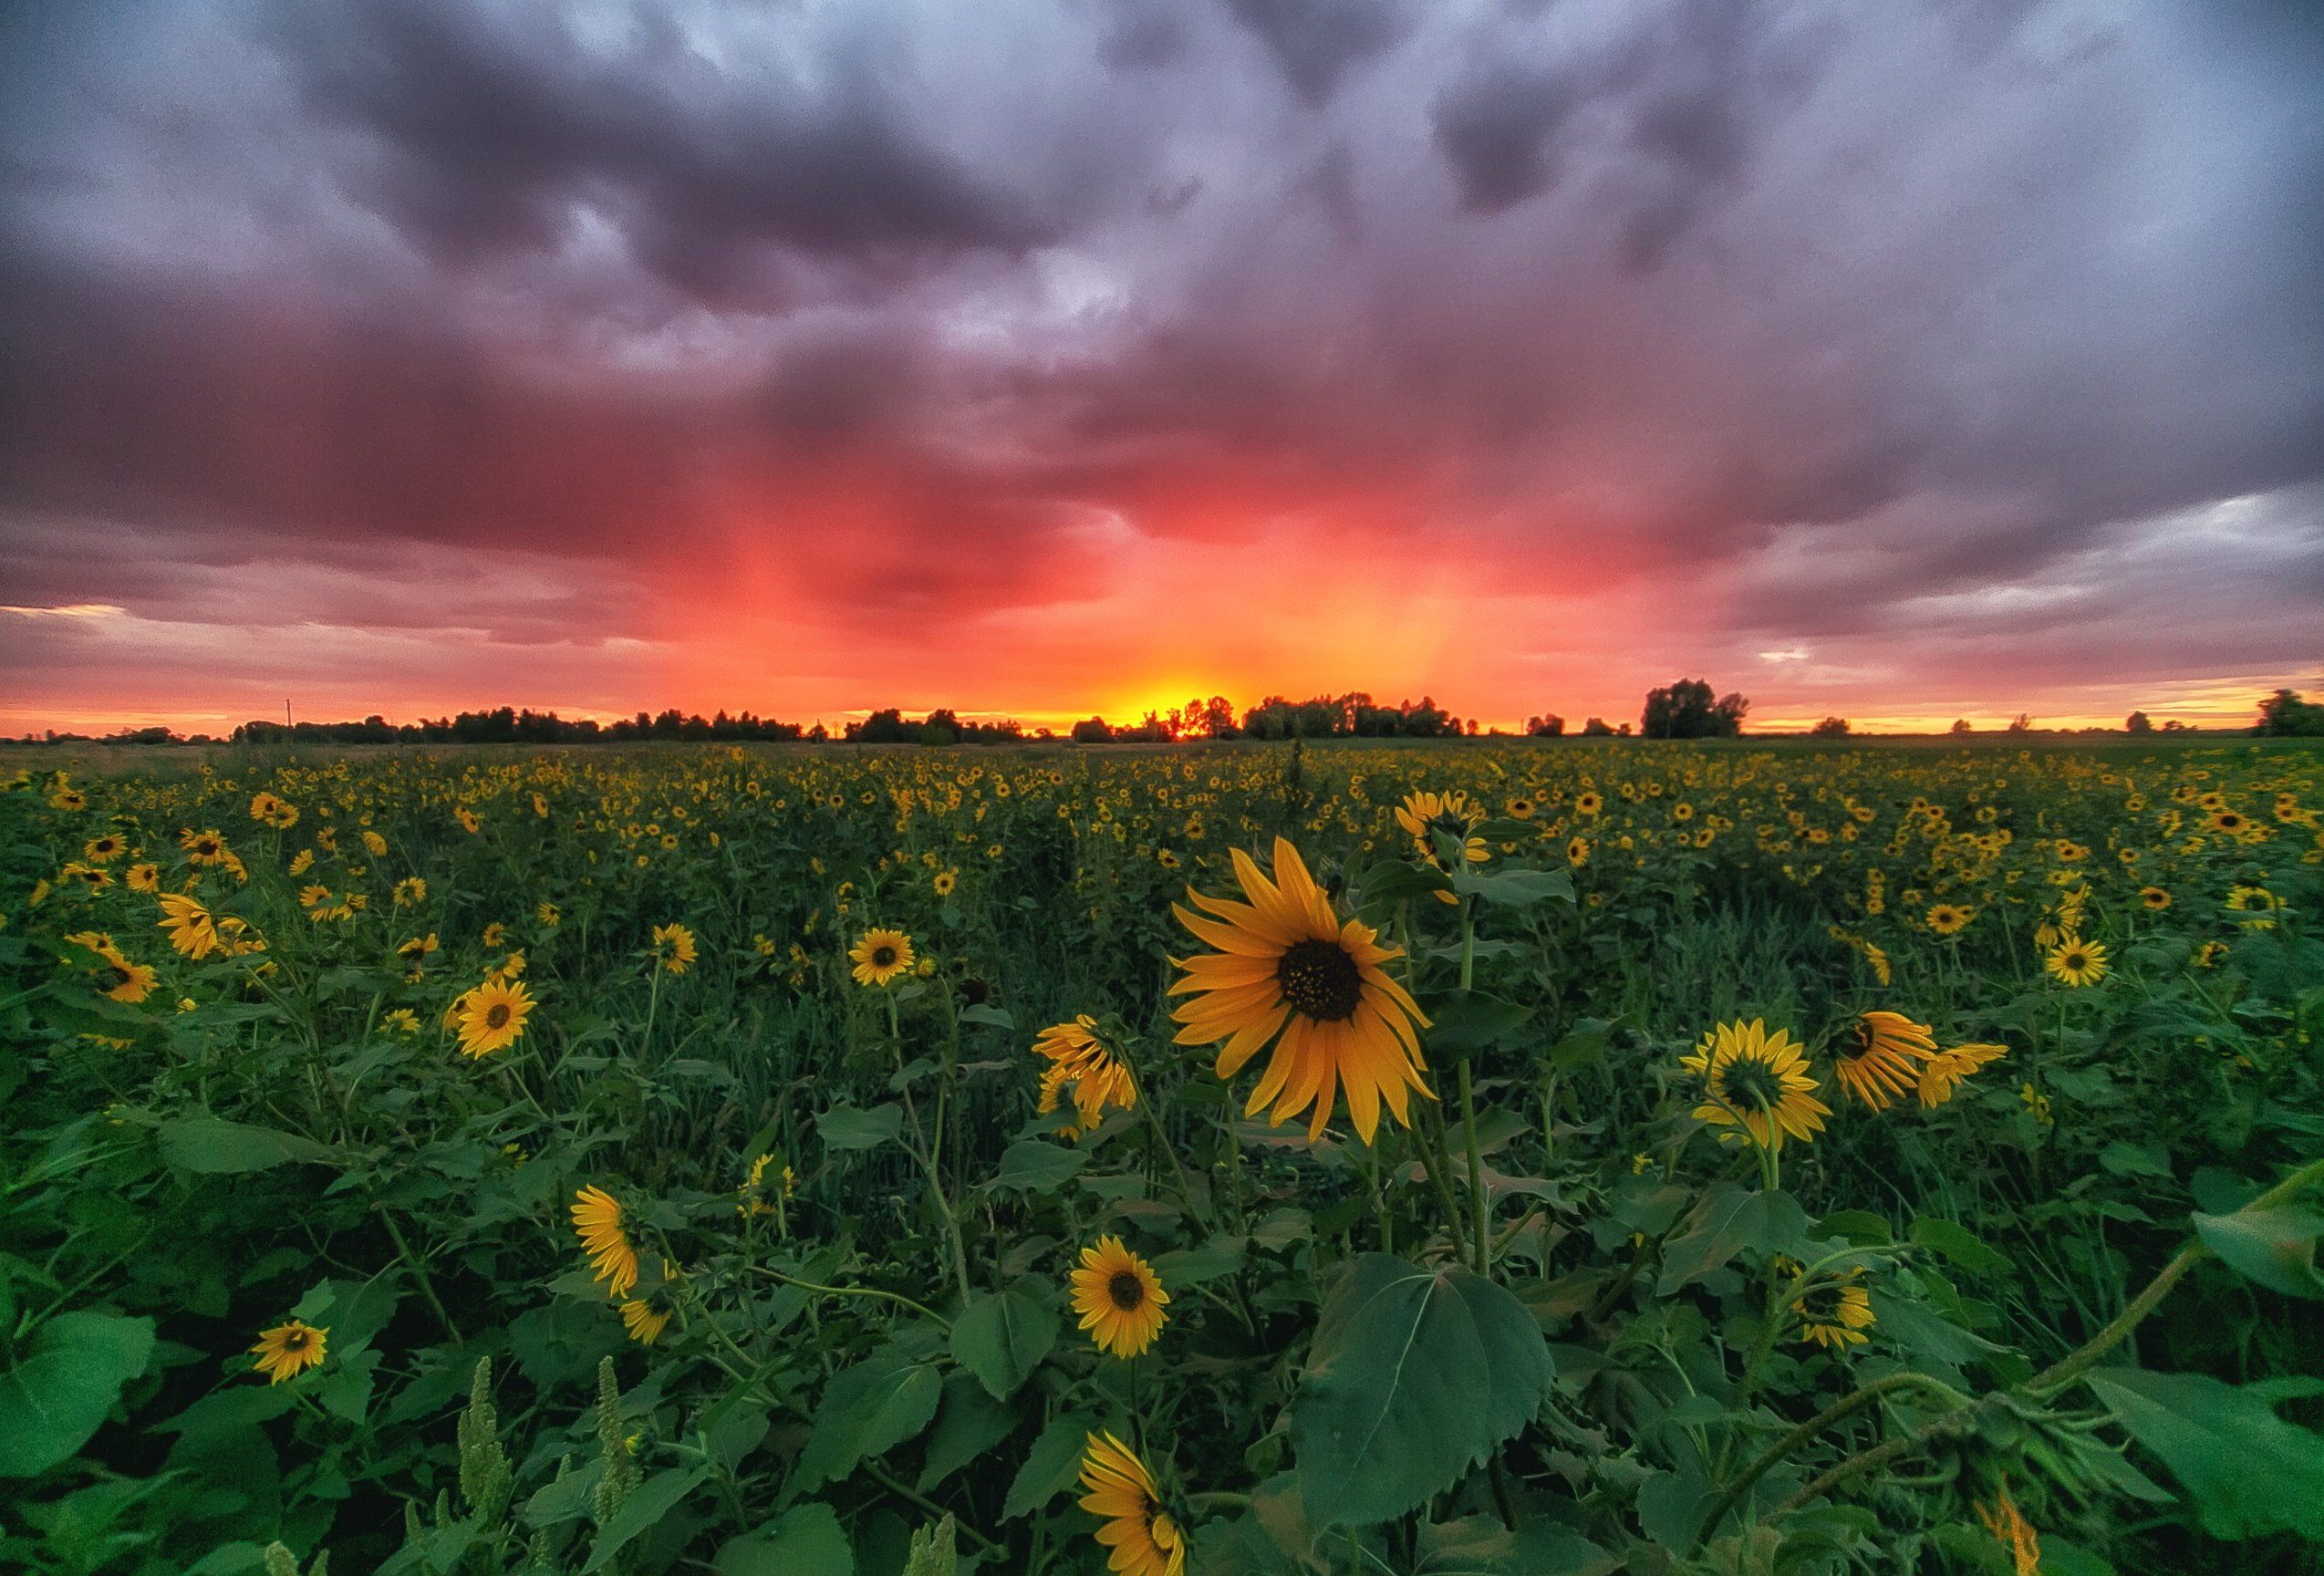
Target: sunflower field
x,y
1248,1160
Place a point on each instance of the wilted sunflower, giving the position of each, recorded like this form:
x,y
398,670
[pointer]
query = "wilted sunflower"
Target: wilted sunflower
x,y
1119,1298
189,926
289,1349
1077,1057
880,955
674,948
598,1221
2076,962
1942,1074
1758,1081
1287,966
1834,1311
1877,1057
1144,1537
492,1016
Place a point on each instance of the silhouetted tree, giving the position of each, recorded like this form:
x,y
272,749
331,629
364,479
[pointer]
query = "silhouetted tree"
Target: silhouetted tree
x,y
2283,715
1831,728
2137,723
1091,730
1551,726
1686,711
1597,727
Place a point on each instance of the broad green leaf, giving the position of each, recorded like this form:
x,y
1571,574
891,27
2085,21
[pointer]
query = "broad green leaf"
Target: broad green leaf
x,y
852,1127
1958,1244
651,1501
1464,1025
868,1410
2248,1472
1038,1166
1413,1378
212,1146
978,1013
2275,1247
1481,1546
1857,1228
1515,888
1053,1462
1221,1255
970,1424
805,1540
1727,1221
58,1395
1001,1337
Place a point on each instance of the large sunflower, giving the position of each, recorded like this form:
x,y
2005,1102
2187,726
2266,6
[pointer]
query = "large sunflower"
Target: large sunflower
x,y
1077,1057
1757,1082
1144,1537
491,1016
1877,1056
1119,1298
598,1221
880,955
1289,971
289,1349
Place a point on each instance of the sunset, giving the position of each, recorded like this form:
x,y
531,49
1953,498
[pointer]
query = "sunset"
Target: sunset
x,y
1161,787
1045,359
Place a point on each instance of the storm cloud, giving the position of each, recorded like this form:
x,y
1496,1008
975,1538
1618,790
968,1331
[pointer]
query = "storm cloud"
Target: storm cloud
x,y
1883,358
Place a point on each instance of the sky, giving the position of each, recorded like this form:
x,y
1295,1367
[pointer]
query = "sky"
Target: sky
x,y
1906,361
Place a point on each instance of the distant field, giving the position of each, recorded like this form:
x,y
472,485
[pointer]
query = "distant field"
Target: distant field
x,y
1557,1261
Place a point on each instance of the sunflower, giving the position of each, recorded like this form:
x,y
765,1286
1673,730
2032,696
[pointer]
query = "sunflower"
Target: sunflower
x,y
1286,963
189,926
289,1349
674,948
1877,1056
1428,816
1758,1082
880,955
1519,808
1119,1298
1078,1057
1144,1537
123,979
597,1221
2076,962
1577,852
2153,899
1834,1311
105,849
2228,821
492,1016
643,1319
272,812
143,877
203,847
1942,1075
1588,804
410,892
2255,900
1947,919
945,881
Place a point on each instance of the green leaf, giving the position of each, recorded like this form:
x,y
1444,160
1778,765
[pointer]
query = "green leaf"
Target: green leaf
x,y
1037,1166
979,1012
1959,1245
2248,1472
1053,1462
214,1147
1726,1220
1857,1228
2274,1247
805,1540
868,1410
1413,1377
654,1498
1464,1025
1221,1255
58,1395
1515,888
970,1424
1001,1337
1481,1546
851,1127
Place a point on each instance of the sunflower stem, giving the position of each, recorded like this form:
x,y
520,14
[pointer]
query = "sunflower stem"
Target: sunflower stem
x,y
1481,1230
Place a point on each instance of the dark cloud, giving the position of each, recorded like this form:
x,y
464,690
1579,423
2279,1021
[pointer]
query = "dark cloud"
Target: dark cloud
x,y
1315,43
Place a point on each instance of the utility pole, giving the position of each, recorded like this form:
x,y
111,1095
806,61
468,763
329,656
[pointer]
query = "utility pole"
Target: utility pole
x,y
287,721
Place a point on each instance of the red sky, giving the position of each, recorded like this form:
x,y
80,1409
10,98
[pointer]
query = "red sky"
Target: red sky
x,y
1903,364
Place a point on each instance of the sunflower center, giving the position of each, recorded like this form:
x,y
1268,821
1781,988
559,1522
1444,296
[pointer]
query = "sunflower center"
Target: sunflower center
x,y
1320,980
1752,1085
498,1017
1126,1289
882,956
294,1342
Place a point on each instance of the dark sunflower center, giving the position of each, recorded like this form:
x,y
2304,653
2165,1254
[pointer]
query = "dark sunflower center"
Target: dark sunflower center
x,y
882,956
1752,1085
294,1342
498,1017
1126,1289
1320,980
1821,1305
2075,962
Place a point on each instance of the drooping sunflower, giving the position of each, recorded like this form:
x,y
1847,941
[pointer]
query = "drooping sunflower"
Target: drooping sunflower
x,y
1941,1076
1144,1537
598,1221
2076,962
1947,919
289,1349
1835,1311
492,1016
118,977
674,948
1756,1084
1078,1058
1119,1298
1290,972
1428,816
1878,1057
880,955
189,926
643,1319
